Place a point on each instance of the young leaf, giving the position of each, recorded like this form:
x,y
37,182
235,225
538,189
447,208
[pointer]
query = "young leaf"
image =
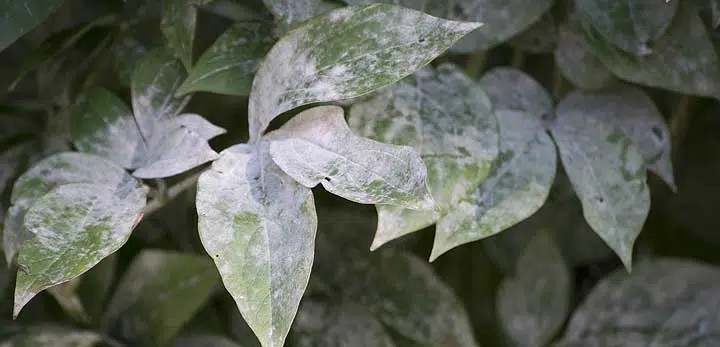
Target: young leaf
x,y
533,303
178,26
158,294
512,89
632,25
344,54
259,226
346,324
317,146
516,188
228,66
21,16
73,227
683,60
290,12
664,302
607,172
447,117
52,336
577,63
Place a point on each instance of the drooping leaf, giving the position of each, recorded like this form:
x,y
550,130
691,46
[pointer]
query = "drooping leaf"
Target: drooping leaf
x,y
664,302
52,336
607,172
159,293
533,303
447,117
516,188
204,341
229,65
346,53
53,171
317,146
512,89
259,226
21,16
178,23
290,12
541,37
683,59
633,25
577,63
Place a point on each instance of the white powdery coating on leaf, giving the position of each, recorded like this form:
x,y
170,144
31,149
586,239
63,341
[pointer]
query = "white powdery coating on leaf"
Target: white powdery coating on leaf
x,y
513,89
199,125
577,63
259,227
346,54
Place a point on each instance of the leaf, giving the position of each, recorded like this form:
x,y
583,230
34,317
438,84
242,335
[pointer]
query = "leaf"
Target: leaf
x,y
50,336
291,12
21,16
67,297
633,25
541,37
512,89
607,172
317,146
103,125
345,324
447,117
532,304
94,288
516,188
344,54
404,293
259,227
159,293
664,302
53,171
204,341
683,59
199,125
229,65
577,63
178,23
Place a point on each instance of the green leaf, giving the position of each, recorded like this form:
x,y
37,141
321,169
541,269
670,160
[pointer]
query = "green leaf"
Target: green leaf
x,y
533,303
577,63
447,117
517,186
204,341
607,171
178,23
67,297
664,302
53,171
229,65
73,227
290,12
633,25
683,60
51,336
94,288
345,324
317,146
344,54
539,38
21,16
512,89
159,293
259,226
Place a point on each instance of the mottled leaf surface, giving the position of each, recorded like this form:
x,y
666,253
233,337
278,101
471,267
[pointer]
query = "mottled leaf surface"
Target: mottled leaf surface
x,y
179,18
51,336
664,302
512,89
346,53
447,117
21,16
345,324
683,59
289,12
229,65
607,172
632,25
577,63
258,224
317,146
158,294
533,302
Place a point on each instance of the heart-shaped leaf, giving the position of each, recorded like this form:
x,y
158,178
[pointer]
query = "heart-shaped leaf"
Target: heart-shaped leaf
x,y
259,226
344,54
317,146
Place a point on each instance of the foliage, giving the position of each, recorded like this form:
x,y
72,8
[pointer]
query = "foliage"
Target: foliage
x,y
270,172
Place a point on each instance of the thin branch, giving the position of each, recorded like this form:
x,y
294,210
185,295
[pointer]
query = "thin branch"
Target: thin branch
x,y
172,193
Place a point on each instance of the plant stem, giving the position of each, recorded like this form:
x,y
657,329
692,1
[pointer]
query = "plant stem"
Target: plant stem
x,y
171,193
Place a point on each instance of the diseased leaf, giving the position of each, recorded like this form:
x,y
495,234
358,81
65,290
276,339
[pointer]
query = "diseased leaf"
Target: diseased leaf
x,y
53,171
607,172
345,324
683,59
516,188
632,25
199,125
259,226
73,227
159,293
577,63
533,303
229,65
541,37
317,146
21,16
204,341
664,303
512,89
290,12
51,336
447,117
178,23
344,54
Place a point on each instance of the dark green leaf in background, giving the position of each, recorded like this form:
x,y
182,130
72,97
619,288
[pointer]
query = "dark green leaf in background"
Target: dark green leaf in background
x,y
577,63
21,16
345,324
179,18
